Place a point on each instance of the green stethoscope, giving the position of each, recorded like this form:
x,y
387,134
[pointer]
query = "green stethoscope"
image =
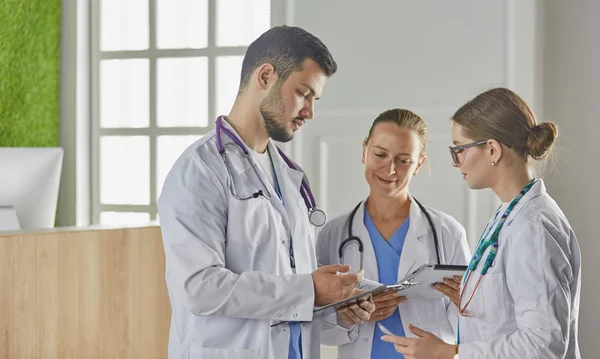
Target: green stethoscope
x,y
491,241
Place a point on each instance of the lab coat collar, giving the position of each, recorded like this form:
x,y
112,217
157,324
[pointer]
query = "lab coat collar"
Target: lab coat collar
x,y
421,225
360,230
538,189
241,165
414,244
295,176
234,153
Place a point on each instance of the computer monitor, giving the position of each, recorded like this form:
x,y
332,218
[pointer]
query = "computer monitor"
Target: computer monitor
x,y
29,182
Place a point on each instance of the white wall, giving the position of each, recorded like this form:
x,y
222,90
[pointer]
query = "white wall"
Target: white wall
x,y
572,99
428,57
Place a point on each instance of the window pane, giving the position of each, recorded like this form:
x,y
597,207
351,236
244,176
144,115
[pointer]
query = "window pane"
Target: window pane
x,y
182,24
123,218
168,149
124,170
182,92
123,25
239,22
228,72
124,93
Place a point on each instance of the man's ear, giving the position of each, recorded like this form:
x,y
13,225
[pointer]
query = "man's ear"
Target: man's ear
x,y
265,76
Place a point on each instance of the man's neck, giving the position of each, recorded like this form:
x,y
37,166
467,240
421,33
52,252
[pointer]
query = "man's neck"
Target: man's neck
x,y
249,125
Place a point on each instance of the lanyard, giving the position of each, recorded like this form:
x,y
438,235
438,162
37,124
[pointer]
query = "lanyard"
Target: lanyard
x,y
484,243
278,191
493,239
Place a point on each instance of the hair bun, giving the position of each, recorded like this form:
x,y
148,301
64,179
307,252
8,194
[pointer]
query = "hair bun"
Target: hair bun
x,y
541,139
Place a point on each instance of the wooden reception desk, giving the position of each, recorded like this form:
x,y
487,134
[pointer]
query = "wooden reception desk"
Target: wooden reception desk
x,y
83,293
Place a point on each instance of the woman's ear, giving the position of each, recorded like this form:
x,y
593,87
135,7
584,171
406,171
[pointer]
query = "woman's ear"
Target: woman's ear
x,y
422,160
494,151
364,152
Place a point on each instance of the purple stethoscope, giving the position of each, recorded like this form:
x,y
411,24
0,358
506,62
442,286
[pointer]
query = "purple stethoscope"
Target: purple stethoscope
x,y
316,216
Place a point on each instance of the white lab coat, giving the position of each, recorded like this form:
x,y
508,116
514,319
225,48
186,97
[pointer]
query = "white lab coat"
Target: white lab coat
x,y
228,269
437,316
527,304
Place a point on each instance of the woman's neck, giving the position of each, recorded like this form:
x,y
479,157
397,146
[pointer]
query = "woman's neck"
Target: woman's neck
x,y
507,187
388,208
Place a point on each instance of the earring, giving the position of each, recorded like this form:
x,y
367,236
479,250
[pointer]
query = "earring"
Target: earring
x,y
493,163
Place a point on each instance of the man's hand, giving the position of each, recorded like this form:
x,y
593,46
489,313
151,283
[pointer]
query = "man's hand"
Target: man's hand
x,y
451,288
385,305
331,287
426,346
355,314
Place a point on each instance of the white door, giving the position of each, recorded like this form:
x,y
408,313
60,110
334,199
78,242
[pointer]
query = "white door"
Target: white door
x,y
429,57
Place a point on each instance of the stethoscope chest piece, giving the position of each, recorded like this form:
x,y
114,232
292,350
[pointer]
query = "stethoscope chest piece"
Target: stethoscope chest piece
x,y
317,217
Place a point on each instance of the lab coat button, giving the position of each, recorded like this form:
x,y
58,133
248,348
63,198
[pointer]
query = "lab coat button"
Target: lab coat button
x,y
365,340
285,329
278,315
295,315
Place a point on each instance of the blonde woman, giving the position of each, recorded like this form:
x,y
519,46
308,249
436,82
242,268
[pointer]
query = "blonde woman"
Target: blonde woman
x,y
397,235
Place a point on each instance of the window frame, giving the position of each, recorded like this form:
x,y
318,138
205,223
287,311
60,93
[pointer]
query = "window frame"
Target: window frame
x,y
278,16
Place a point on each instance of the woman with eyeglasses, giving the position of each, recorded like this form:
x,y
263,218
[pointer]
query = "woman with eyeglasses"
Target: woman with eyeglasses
x,y
520,295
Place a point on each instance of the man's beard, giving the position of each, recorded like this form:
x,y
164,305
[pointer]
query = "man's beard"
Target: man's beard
x,y
271,110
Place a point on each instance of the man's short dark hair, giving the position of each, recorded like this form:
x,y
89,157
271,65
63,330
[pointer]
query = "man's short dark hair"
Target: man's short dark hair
x,y
286,48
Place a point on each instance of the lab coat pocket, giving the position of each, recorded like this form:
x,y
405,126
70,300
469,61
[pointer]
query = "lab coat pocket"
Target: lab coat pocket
x,y
494,300
231,353
250,222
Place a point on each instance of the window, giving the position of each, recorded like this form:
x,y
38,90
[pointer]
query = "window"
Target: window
x,y
162,70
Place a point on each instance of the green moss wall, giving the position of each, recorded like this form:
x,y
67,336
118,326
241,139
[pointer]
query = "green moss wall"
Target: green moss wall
x,y
29,72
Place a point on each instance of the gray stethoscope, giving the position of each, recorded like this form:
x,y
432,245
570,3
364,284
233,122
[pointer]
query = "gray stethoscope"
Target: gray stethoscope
x,y
316,216
352,237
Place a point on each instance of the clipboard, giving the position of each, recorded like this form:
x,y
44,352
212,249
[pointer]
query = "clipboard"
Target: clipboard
x,y
416,285
419,284
326,310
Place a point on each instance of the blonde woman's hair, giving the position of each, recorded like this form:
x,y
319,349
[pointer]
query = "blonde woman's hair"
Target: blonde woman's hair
x,y
403,119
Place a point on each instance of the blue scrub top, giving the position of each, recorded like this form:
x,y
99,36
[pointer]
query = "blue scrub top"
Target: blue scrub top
x,y
388,260
295,346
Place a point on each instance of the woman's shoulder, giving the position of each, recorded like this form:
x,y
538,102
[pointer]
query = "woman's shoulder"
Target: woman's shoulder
x,y
443,218
447,223
540,209
337,221
541,218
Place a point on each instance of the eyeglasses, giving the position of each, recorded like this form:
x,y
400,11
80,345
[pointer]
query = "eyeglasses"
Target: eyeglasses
x,y
455,150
